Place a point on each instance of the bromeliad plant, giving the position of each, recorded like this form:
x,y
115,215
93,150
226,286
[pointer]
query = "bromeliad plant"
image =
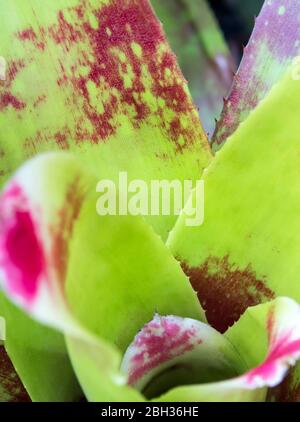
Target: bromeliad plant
x,y
97,79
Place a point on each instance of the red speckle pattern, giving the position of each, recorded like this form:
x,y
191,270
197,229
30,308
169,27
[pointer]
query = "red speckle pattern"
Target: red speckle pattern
x,y
21,253
62,230
120,50
27,34
40,99
7,99
226,291
30,35
161,340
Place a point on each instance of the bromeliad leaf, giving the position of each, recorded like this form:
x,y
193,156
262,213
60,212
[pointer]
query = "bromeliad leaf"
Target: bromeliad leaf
x,y
11,387
274,44
201,51
97,78
268,338
35,228
171,351
79,260
96,268
38,353
98,370
37,217
50,204
196,363
274,326
251,208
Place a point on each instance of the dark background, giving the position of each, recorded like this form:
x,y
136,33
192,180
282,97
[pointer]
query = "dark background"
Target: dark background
x,y
236,18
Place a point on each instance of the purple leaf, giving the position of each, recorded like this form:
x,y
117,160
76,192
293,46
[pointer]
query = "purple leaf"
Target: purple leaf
x,y
274,44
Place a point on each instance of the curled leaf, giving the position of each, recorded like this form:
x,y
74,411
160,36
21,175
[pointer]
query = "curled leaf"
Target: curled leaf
x,y
172,351
267,337
85,261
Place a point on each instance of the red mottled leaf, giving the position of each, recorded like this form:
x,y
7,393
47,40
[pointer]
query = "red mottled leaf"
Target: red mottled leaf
x,y
274,44
11,387
171,351
98,79
62,263
246,251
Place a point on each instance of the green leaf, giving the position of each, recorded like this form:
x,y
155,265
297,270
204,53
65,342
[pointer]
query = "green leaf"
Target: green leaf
x,y
267,337
99,372
51,205
36,352
274,44
251,214
116,283
40,358
123,276
80,267
81,77
202,53
38,209
97,78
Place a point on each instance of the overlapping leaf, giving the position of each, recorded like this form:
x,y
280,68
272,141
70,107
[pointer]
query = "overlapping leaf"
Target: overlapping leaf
x,y
97,78
267,338
178,351
38,353
203,365
99,300
246,251
78,260
79,276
